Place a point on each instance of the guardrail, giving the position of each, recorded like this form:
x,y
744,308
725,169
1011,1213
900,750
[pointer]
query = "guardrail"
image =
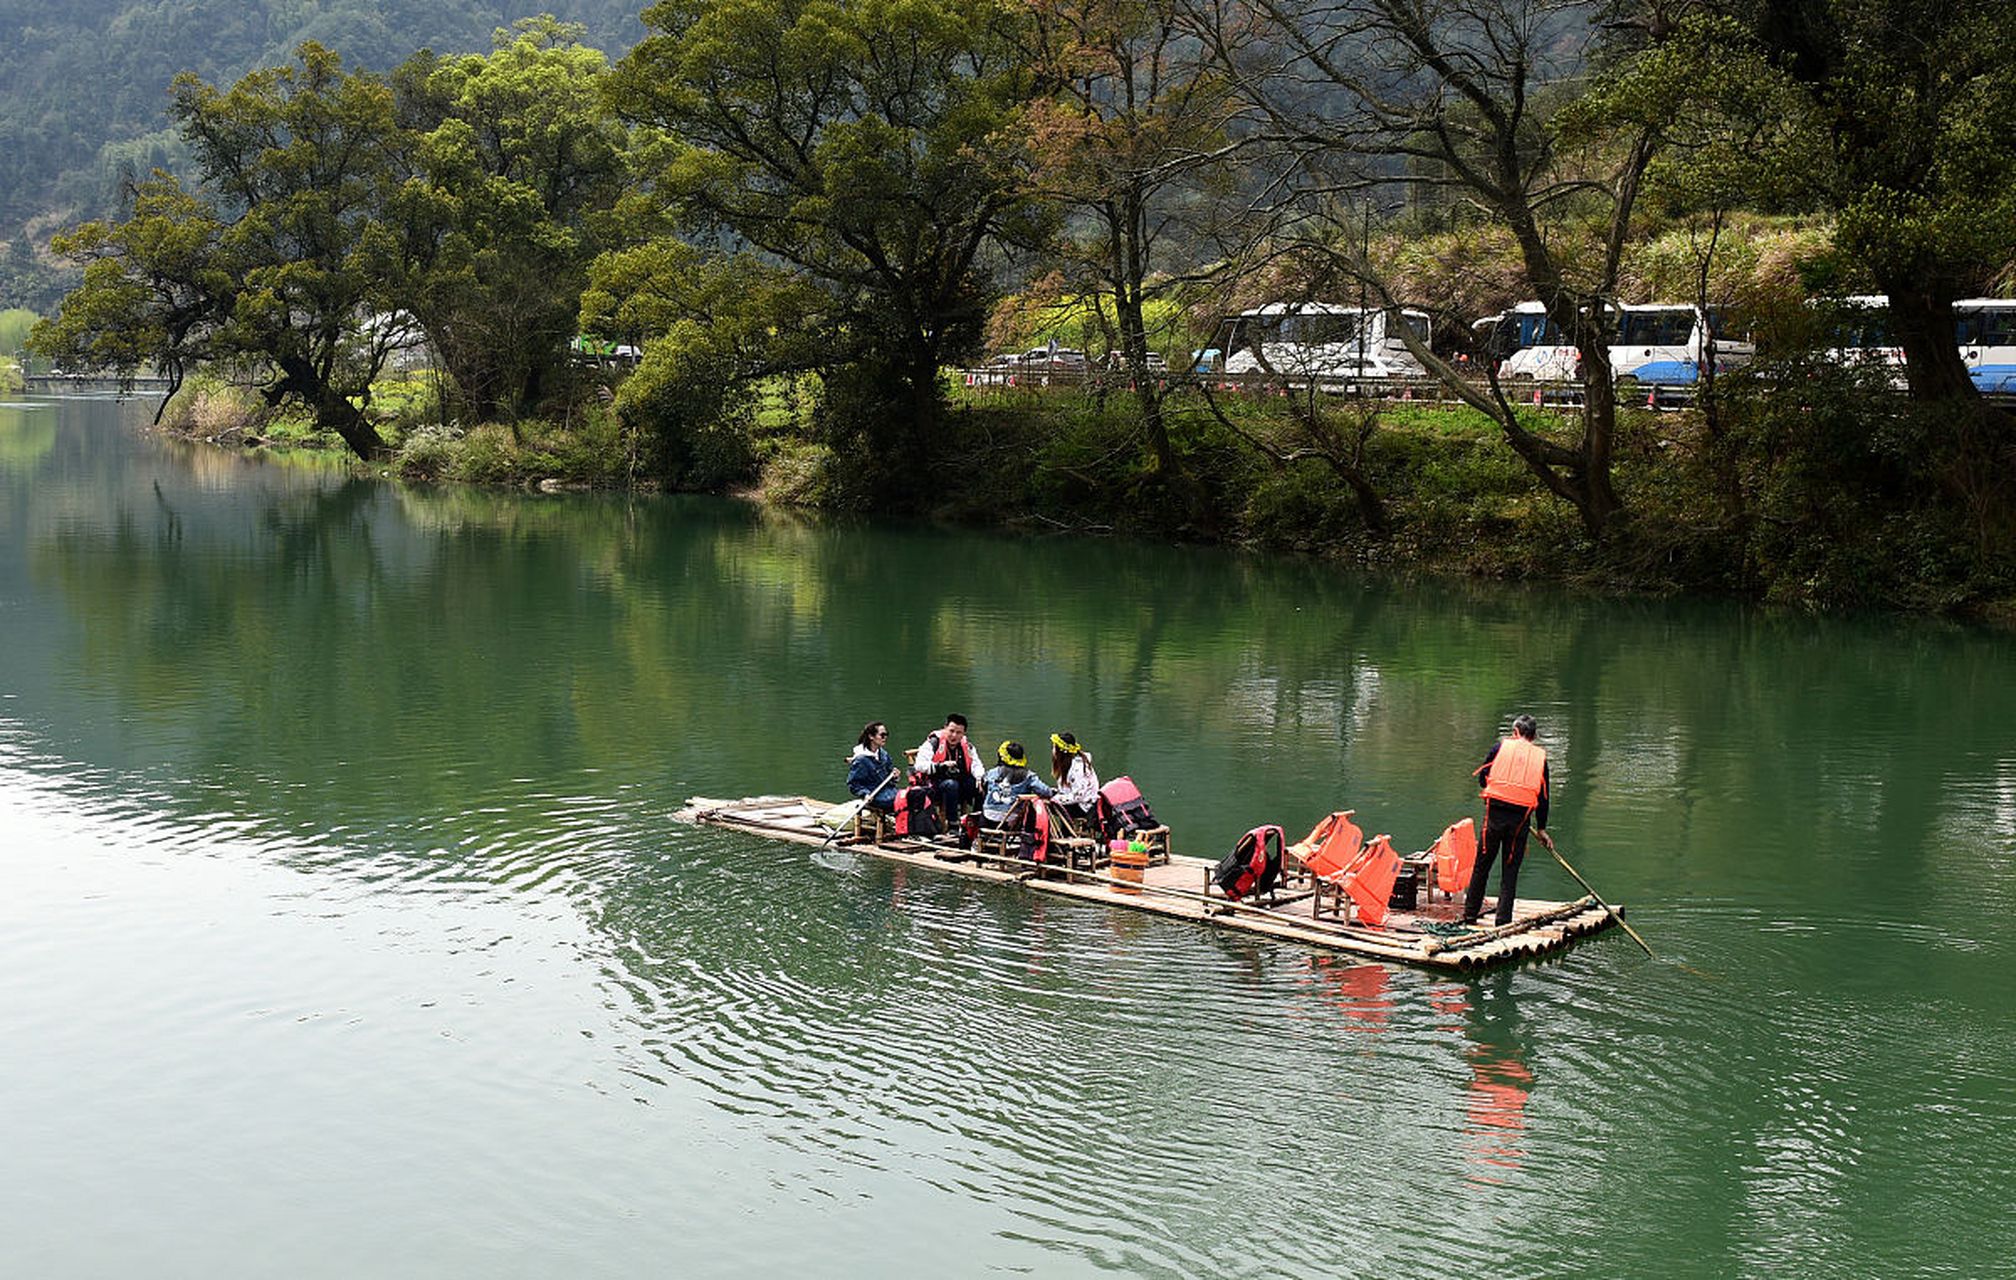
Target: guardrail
x,y
1546,394
88,382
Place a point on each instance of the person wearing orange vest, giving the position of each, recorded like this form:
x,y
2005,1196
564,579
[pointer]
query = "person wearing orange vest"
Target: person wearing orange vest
x,y
950,767
1514,781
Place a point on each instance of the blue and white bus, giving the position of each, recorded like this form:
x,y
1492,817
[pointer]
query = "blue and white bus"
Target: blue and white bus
x,y
1983,328
1656,343
1986,331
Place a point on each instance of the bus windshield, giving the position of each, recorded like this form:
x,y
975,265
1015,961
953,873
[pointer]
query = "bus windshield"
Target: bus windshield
x,y
1537,331
1863,327
1312,330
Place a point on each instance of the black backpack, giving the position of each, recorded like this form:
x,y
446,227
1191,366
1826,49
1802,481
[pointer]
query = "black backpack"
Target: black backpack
x,y
1254,865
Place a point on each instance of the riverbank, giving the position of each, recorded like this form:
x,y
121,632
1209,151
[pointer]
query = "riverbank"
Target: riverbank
x,y
1711,508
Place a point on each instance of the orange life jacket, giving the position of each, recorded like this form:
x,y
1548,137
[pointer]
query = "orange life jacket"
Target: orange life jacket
x,y
911,810
1518,773
941,751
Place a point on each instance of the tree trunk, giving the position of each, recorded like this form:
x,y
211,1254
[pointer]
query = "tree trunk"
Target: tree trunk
x,y
1596,498
334,412
1134,350
1921,319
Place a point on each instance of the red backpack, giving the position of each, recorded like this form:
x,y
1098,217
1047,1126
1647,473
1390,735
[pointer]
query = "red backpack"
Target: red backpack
x,y
914,813
1028,825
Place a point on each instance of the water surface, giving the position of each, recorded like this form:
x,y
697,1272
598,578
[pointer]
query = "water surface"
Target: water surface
x,y
346,929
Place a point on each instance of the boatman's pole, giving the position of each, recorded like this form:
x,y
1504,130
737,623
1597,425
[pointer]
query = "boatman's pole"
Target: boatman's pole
x,y
1549,842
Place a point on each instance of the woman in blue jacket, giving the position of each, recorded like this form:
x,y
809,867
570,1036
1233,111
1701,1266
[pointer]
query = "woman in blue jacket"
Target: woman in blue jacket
x,y
869,768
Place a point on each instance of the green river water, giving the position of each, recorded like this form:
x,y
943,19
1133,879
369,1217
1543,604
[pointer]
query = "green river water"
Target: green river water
x,y
346,930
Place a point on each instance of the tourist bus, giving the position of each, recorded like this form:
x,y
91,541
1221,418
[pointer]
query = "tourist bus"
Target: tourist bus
x,y
1660,343
1986,331
1983,328
1316,340
1861,334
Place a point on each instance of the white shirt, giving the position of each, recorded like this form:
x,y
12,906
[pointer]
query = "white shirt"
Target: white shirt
x,y
920,759
1080,785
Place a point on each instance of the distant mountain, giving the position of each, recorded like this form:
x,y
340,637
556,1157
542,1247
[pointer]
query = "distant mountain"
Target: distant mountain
x,y
84,85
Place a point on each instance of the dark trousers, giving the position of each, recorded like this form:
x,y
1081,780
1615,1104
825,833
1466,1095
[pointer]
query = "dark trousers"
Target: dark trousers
x,y
954,792
1505,827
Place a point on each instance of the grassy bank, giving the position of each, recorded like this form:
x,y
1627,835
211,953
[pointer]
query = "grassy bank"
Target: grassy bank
x,y
1833,500
589,448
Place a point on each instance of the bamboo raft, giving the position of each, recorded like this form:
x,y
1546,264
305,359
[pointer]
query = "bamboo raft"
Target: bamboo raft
x,y
1180,889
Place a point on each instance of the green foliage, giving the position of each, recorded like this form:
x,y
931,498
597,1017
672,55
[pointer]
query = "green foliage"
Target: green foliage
x,y
690,399
590,451
10,375
427,453
516,170
1087,322
280,260
15,324
869,180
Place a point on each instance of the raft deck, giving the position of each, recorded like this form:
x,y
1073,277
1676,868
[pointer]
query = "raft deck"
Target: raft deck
x,y
1180,889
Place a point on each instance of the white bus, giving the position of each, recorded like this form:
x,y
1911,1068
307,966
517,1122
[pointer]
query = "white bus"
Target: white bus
x,y
1983,328
1316,340
1861,337
1986,330
1659,343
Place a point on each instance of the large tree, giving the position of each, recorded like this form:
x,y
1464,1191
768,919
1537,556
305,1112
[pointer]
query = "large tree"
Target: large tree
x,y
275,267
513,176
1368,96
850,141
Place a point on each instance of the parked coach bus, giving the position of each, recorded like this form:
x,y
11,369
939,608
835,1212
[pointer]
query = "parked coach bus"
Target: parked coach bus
x,y
1659,343
1984,329
1316,340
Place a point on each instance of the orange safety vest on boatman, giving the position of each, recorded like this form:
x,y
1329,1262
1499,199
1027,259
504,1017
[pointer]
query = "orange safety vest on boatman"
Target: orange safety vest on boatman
x,y
1518,773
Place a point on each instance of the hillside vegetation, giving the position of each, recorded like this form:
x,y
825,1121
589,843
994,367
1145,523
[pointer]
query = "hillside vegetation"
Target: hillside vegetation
x,y
84,97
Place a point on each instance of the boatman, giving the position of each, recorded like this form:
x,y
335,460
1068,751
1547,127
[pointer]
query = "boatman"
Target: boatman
x,y
948,764
1514,781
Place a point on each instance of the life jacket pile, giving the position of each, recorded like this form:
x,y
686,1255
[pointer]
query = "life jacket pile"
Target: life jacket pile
x,y
1028,828
1254,865
915,814
1122,808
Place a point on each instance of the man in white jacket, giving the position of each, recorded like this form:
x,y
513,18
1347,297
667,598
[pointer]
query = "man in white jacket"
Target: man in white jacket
x,y
952,769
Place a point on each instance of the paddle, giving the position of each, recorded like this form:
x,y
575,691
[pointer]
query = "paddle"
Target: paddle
x,y
1549,842
855,812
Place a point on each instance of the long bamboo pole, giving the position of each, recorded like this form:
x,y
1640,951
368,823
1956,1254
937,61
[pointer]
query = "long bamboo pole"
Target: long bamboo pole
x,y
1614,915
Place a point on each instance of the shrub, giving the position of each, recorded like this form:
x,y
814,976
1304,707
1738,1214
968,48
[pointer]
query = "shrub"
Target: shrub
x,y
428,453
690,401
